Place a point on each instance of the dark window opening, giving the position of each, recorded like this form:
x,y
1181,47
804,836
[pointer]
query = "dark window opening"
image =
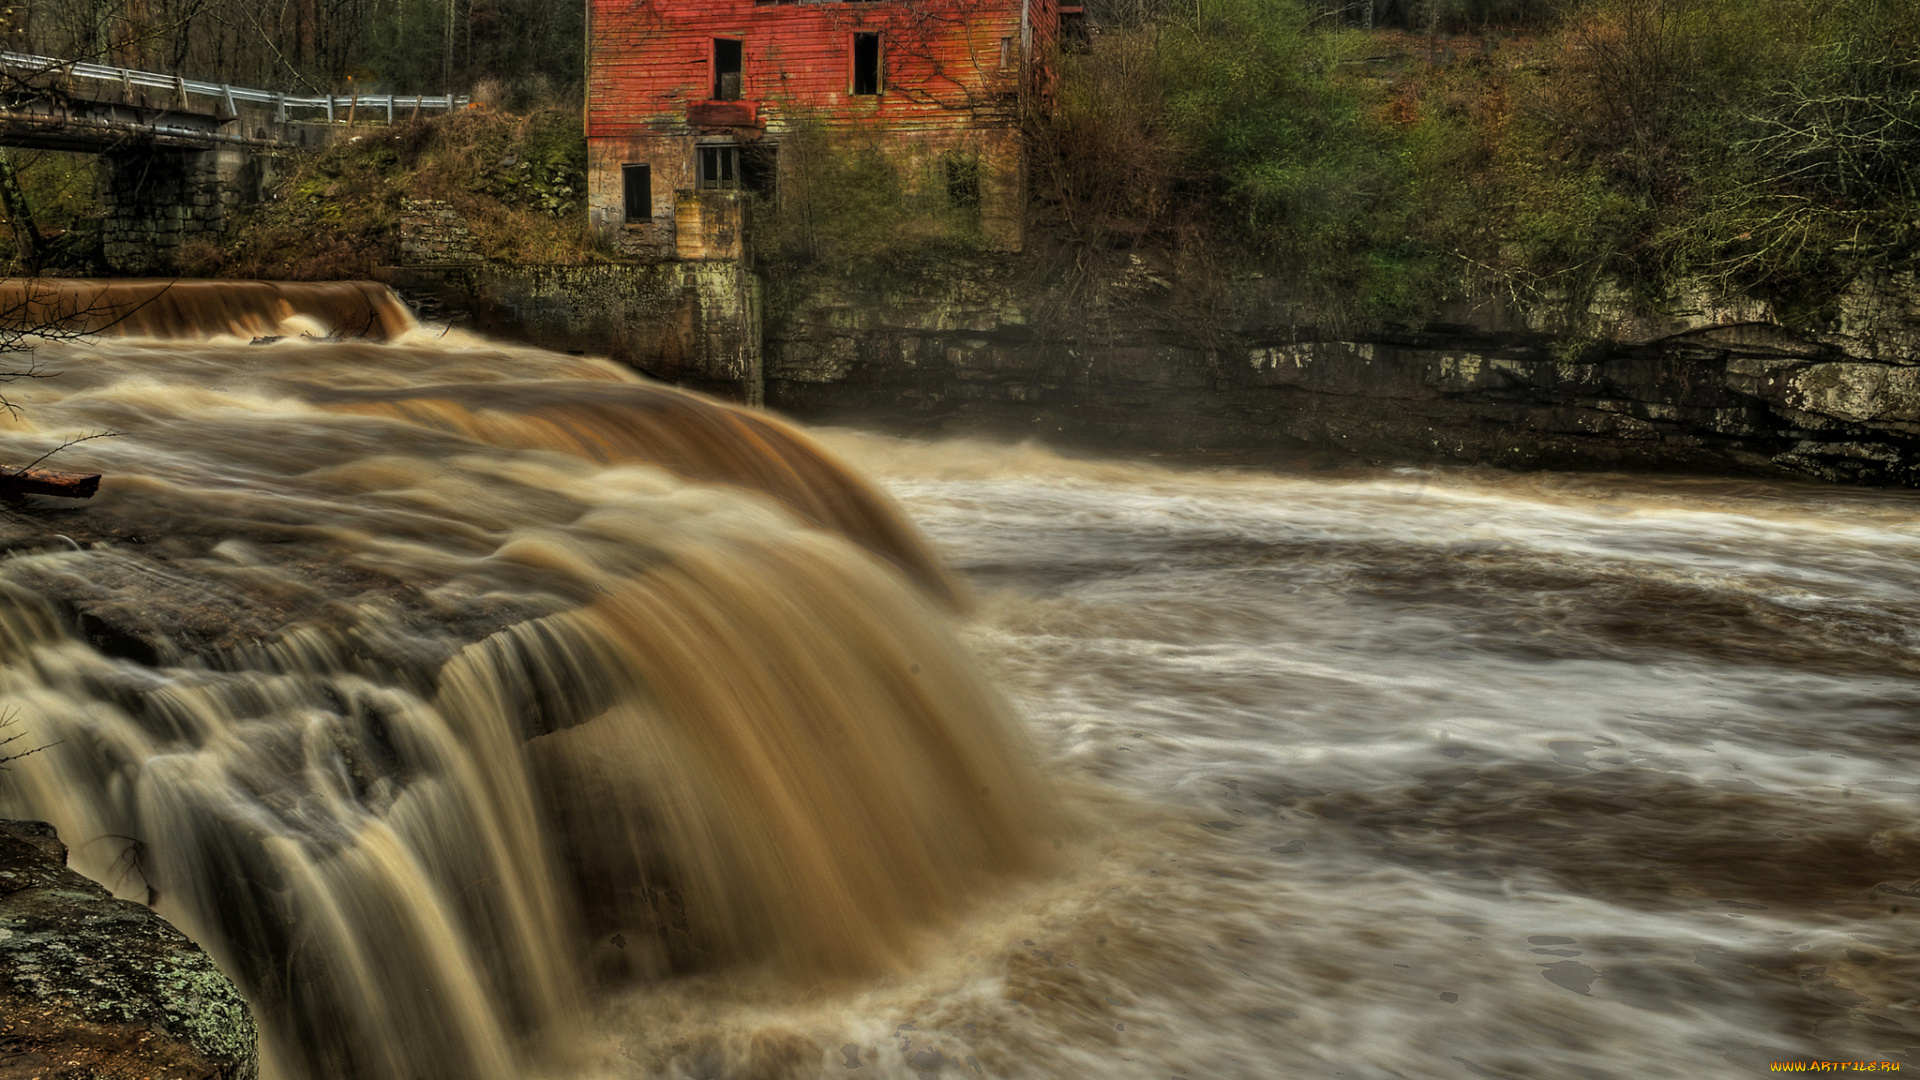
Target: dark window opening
x,y
866,63
637,182
726,70
1075,35
963,181
760,170
719,167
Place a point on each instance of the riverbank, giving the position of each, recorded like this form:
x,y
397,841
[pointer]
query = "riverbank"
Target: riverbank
x,y
1145,359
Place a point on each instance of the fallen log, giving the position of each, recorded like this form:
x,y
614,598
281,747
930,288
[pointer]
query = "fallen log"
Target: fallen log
x,y
65,485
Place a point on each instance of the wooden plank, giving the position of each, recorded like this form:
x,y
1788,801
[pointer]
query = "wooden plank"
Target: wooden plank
x,y
65,485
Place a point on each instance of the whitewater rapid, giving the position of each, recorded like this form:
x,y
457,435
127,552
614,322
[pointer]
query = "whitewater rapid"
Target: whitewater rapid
x,y
1410,773
505,715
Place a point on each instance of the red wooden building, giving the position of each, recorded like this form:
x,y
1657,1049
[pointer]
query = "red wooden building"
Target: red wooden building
x,y
688,99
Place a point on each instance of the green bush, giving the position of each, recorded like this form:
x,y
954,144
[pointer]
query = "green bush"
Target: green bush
x,y
1769,145
1244,137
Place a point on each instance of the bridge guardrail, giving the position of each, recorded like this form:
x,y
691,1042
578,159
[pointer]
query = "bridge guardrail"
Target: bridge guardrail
x,y
230,96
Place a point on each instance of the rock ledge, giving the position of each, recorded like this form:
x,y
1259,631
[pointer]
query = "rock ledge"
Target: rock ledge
x,y
94,988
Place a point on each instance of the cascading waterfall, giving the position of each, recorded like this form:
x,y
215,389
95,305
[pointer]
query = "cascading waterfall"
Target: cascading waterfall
x,y
431,684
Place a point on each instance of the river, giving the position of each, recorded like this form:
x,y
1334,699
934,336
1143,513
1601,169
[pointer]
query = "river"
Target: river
x,y
568,761
1428,773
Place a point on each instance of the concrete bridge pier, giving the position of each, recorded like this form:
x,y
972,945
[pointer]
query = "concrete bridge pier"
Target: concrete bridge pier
x,y
157,201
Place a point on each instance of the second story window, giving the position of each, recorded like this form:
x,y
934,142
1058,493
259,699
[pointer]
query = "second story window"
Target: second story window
x,y
726,69
867,76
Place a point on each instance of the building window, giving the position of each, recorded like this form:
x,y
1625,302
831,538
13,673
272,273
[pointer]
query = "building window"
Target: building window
x,y
1075,35
637,182
760,170
719,167
726,70
963,181
866,64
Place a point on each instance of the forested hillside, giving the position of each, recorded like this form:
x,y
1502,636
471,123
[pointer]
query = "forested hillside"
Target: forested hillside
x,y
526,47
1773,145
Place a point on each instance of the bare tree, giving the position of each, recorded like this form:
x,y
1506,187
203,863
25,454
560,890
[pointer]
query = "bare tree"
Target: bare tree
x,y
32,312
10,738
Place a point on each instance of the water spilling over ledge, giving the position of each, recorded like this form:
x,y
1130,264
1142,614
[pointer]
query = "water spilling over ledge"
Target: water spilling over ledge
x,y
431,684
192,310
515,720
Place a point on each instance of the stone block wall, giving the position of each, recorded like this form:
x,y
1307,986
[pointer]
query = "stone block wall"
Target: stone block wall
x,y
155,201
1699,384
432,233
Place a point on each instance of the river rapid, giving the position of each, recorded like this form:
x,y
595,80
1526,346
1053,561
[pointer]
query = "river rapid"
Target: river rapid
x,y
1422,773
1341,772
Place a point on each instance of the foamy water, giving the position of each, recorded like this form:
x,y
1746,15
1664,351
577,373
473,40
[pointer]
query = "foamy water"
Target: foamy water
x,y
562,725
1412,774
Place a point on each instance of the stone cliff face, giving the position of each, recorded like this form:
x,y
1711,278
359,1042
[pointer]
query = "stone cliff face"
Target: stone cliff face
x,y
94,988
1701,385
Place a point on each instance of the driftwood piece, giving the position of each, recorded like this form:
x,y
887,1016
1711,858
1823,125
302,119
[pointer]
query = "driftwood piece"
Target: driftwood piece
x,y
66,485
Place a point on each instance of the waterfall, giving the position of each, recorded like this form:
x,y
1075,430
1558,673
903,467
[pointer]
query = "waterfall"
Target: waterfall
x,y
433,685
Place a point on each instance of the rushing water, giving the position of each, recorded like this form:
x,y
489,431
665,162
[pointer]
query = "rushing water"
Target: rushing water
x,y
1360,773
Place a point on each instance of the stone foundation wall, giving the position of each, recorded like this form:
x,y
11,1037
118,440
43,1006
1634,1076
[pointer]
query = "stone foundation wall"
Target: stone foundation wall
x,y
432,233
1699,384
692,324
154,201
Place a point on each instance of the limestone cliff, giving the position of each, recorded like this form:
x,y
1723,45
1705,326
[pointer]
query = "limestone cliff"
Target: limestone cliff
x,y
1697,383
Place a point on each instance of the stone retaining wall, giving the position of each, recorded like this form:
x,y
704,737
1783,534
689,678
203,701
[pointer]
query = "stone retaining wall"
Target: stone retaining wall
x,y
1698,384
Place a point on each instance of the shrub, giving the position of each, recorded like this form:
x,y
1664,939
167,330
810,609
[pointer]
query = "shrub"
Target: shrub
x,y
845,204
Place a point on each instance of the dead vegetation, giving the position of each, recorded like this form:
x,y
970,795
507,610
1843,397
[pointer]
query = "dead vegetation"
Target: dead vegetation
x,y
518,180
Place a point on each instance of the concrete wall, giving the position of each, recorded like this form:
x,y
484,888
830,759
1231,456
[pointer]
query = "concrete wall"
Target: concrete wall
x,y
918,157
692,324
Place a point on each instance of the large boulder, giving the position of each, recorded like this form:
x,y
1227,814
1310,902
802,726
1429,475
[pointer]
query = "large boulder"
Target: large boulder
x,y
94,988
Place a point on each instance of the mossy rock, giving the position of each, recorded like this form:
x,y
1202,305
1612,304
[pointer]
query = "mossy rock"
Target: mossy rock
x,y
94,988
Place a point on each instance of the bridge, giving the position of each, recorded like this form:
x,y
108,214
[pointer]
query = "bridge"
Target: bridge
x,y
179,155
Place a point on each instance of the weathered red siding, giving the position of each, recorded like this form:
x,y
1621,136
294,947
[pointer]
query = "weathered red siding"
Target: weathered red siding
x,y
954,76
943,61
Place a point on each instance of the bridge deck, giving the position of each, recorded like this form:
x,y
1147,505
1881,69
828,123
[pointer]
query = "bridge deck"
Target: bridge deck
x,y
74,105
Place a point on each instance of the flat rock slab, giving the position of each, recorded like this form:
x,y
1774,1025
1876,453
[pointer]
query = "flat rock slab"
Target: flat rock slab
x,y
94,988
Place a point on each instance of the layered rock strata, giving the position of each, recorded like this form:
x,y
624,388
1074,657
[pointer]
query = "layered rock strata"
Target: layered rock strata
x,y
1696,383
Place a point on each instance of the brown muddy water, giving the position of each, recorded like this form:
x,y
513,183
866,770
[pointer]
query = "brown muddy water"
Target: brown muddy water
x,y
540,721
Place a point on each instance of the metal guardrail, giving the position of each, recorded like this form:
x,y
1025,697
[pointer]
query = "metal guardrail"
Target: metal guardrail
x,y
229,96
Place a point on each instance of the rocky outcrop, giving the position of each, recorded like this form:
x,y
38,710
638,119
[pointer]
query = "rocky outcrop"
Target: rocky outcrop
x,y
1698,383
94,988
